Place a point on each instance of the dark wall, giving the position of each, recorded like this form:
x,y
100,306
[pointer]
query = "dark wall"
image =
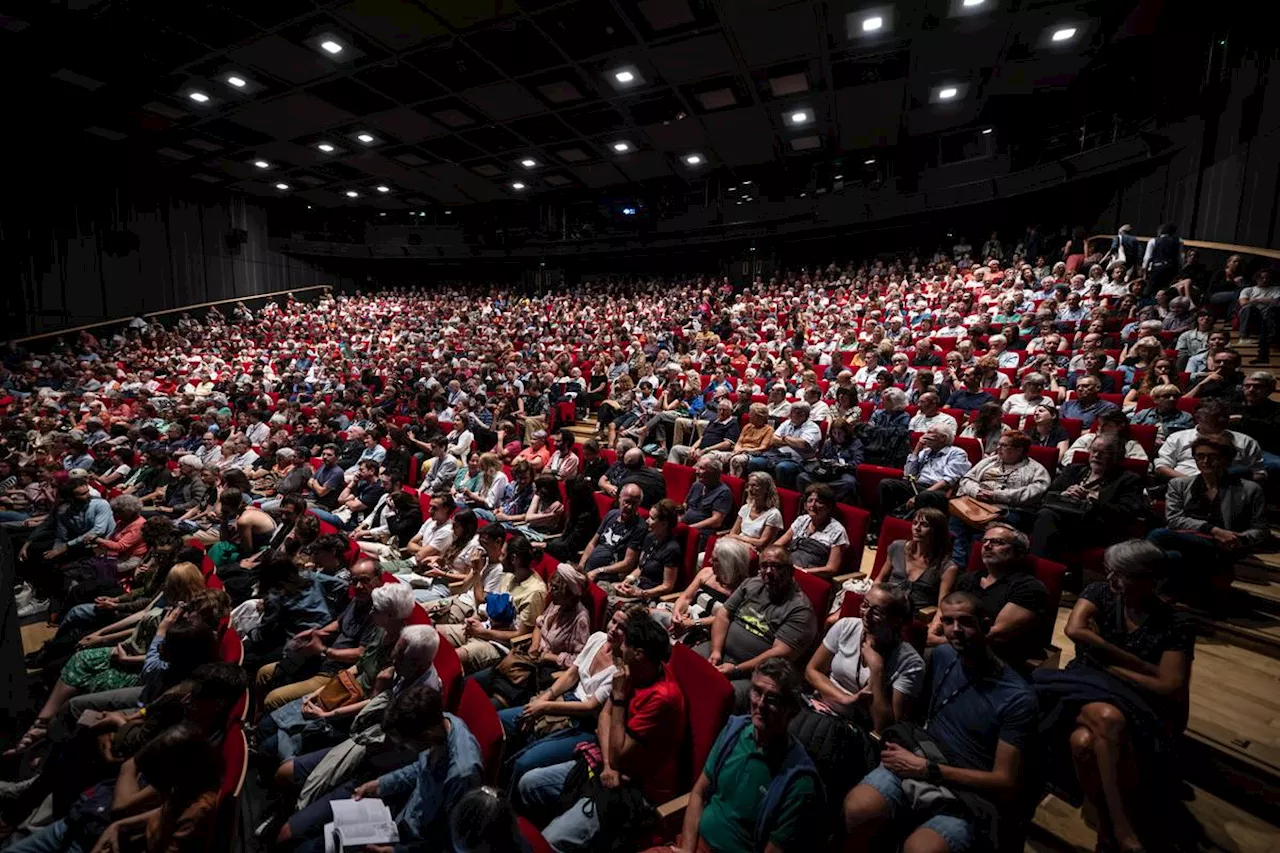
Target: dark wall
x,y
96,253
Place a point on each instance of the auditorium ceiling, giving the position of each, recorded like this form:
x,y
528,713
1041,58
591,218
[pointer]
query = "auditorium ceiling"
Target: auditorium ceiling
x,y
396,104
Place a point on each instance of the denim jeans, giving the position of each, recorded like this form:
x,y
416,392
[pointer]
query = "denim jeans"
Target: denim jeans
x,y
13,515
574,830
54,838
785,471
1271,464
526,756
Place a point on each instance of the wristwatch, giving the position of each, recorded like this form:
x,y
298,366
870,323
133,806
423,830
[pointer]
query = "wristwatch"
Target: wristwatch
x,y
933,773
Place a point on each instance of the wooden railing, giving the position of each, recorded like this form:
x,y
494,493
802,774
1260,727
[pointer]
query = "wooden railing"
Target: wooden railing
x,y
1229,248
71,330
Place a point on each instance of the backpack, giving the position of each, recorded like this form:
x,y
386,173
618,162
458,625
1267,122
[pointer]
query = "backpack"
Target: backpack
x,y
797,764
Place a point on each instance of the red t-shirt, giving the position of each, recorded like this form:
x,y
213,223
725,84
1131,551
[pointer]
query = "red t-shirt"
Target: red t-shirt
x,y
656,721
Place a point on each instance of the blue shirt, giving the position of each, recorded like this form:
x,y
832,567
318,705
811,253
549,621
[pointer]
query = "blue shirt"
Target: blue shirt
x,y
702,504
71,523
969,716
1074,409
931,466
434,787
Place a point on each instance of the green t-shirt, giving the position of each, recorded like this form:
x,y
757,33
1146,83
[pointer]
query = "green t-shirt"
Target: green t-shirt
x,y
728,822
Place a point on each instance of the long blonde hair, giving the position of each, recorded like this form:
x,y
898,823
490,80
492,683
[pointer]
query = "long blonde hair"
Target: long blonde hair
x,y
771,499
490,464
182,583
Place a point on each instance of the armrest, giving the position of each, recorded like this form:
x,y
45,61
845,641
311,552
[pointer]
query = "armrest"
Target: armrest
x,y
848,576
927,612
671,596
520,640
1052,658
673,810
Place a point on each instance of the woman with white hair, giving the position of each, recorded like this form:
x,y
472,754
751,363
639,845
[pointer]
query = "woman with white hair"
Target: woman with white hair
x,y
325,713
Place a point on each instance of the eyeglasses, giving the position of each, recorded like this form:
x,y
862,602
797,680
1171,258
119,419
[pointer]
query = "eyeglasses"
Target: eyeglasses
x,y
995,543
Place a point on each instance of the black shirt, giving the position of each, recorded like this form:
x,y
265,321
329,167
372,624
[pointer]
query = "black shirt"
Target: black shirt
x,y
652,487
1056,436
593,470
655,556
615,536
1260,422
718,431
1020,588
1161,631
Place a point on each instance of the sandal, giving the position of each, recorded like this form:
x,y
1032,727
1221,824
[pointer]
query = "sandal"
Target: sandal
x,y
37,732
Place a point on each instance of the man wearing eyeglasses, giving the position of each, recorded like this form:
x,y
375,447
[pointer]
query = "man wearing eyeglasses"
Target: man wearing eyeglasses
x,y
768,616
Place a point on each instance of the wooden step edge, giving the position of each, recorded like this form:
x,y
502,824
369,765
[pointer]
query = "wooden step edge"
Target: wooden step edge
x,y
1231,775
1235,634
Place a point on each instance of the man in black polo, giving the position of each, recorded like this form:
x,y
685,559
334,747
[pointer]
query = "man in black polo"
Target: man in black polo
x,y
718,437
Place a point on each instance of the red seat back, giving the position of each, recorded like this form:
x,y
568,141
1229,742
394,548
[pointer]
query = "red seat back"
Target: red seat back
x,y
891,530
1145,435
737,487
604,503
235,761
597,607
819,590
475,709
418,616
855,525
1046,456
449,668
679,479
532,837
971,446
869,477
789,504
1073,426
708,700
230,649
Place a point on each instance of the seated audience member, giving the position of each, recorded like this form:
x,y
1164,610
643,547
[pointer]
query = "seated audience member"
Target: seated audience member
x,y
887,439
659,562
794,443
421,793
581,523
652,487
1224,381
564,463
291,602
1092,368
434,577
921,567
516,495
517,602
537,454
970,397
866,673
1010,593
615,549
1088,502
759,520
1009,481
930,414
1086,405
982,720
816,539
1112,423
484,487
611,480
718,438
710,502
1212,517
985,426
484,822
545,514
641,729
1044,428
1176,458
1258,417
1031,394
546,730
1258,305
1160,372
440,468
593,464
933,469
314,657
1113,713
391,526
754,439
836,463
691,615
759,789
768,616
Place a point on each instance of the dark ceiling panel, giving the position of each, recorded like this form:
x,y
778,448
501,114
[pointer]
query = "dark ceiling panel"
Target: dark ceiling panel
x,y
283,59
693,59
869,116
587,28
503,101
351,96
541,130
291,116
453,64
406,125
741,137
493,138
397,24
770,33
677,136
398,80
516,47
644,165
451,148
599,174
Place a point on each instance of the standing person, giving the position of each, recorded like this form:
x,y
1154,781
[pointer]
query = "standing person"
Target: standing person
x,y
1163,258
981,717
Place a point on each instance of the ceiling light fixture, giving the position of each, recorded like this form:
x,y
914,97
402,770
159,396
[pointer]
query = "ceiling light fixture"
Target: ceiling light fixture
x,y
969,4
331,46
517,185
746,183
1064,34
948,93
352,194
528,162
198,97
624,76
870,25
283,187
366,138
800,117
870,162
988,131
326,147
839,177
383,188
622,147
238,82
262,164
693,159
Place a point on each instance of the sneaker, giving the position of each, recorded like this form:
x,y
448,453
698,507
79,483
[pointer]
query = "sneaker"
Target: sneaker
x,y
33,607
23,593
10,791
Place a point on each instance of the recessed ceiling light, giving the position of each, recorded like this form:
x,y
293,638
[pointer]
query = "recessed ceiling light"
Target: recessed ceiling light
x,y
331,46
624,76
746,183
238,82
969,4
352,194
528,162
383,188
366,138
382,214
1064,33
870,162
948,93
988,131
325,147
734,187
800,117
262,164
622,147
198,97
870,25
448,213
283,187
802,195
517,185
693,159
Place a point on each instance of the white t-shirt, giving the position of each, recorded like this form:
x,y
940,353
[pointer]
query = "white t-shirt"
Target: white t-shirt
x,y
753,528
599,683
491,580
438,536
494,497
921,422
905,667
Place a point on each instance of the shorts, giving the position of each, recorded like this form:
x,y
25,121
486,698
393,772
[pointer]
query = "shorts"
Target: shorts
x,y
956,831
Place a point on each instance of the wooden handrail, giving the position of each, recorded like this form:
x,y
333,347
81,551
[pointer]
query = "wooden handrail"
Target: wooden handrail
x,y
152,314
1233,248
